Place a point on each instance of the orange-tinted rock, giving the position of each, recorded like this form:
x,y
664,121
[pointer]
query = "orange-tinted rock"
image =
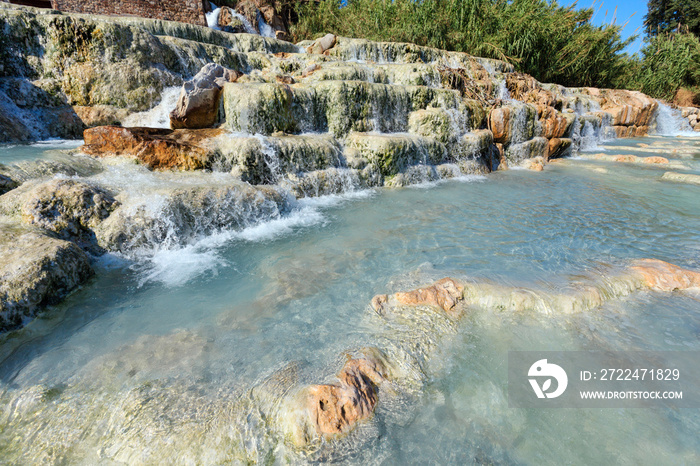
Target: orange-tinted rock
x,y
554,124
625,158
445,294
336,408
157,148
499,124
655,160
556,147
662,276
527,89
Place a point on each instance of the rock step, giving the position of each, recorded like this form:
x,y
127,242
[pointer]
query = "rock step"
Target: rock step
x,y
338,107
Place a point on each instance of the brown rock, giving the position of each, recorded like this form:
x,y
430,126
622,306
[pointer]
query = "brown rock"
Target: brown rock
x,y
228,22
557,146
198,105
499,124
662,276
655,160
554,124
157,148
625,158
445,294
285,79
336,408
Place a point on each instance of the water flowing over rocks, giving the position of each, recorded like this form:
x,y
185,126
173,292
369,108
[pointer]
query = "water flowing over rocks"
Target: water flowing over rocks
x,y
681,178
198,105
323,117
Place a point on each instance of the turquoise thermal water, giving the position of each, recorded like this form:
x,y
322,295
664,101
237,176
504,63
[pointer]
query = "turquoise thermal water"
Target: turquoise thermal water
x,y
166,358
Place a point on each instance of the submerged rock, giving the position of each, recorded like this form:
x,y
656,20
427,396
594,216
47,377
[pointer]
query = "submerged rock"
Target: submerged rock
x,y
444,294
198,105
182,149
336,408
36,269
681,178
662,276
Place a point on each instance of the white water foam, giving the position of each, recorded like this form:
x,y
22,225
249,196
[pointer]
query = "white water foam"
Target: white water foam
x,y
175,266
265,29
158,116
213,17
213,20
670,122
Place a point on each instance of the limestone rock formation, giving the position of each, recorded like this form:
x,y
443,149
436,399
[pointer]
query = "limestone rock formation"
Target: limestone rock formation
x,y
681,178
323,44
662,276
36,269
71,209
198,105
183,149
693,116
7,184
336,408
444,294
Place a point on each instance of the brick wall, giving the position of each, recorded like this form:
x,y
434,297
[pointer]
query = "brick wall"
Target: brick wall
x,y
185,11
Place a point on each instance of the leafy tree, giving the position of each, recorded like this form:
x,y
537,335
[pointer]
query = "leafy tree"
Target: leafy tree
x,y
667,16
670,61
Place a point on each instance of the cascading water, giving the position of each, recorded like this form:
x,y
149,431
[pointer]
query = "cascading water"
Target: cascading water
x,y
213,21
670,122
264,28
158,116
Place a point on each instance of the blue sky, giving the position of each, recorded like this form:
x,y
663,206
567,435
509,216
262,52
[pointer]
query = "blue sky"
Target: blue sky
x,y
625,10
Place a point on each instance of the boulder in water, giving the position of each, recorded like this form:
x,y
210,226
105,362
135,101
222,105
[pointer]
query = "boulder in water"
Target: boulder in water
x,y
681,178
444,294
71,209
36,269
323,44
184,149
336,408
662,276
198,105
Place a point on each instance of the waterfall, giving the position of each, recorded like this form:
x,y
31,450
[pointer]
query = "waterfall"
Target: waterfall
x,y
265,29
670,122
213,21
158,116
213,17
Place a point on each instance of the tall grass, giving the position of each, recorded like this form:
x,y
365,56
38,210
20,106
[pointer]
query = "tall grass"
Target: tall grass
x,y
670,61
550,42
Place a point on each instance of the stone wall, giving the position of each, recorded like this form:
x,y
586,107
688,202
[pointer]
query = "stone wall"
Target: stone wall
x,y
185,11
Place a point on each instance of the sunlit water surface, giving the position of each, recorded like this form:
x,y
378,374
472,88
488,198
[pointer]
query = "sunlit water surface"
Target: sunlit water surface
x,y
167,359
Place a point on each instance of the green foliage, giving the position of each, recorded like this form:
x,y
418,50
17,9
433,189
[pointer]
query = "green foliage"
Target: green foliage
x,y
665,16
670,61
550,42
